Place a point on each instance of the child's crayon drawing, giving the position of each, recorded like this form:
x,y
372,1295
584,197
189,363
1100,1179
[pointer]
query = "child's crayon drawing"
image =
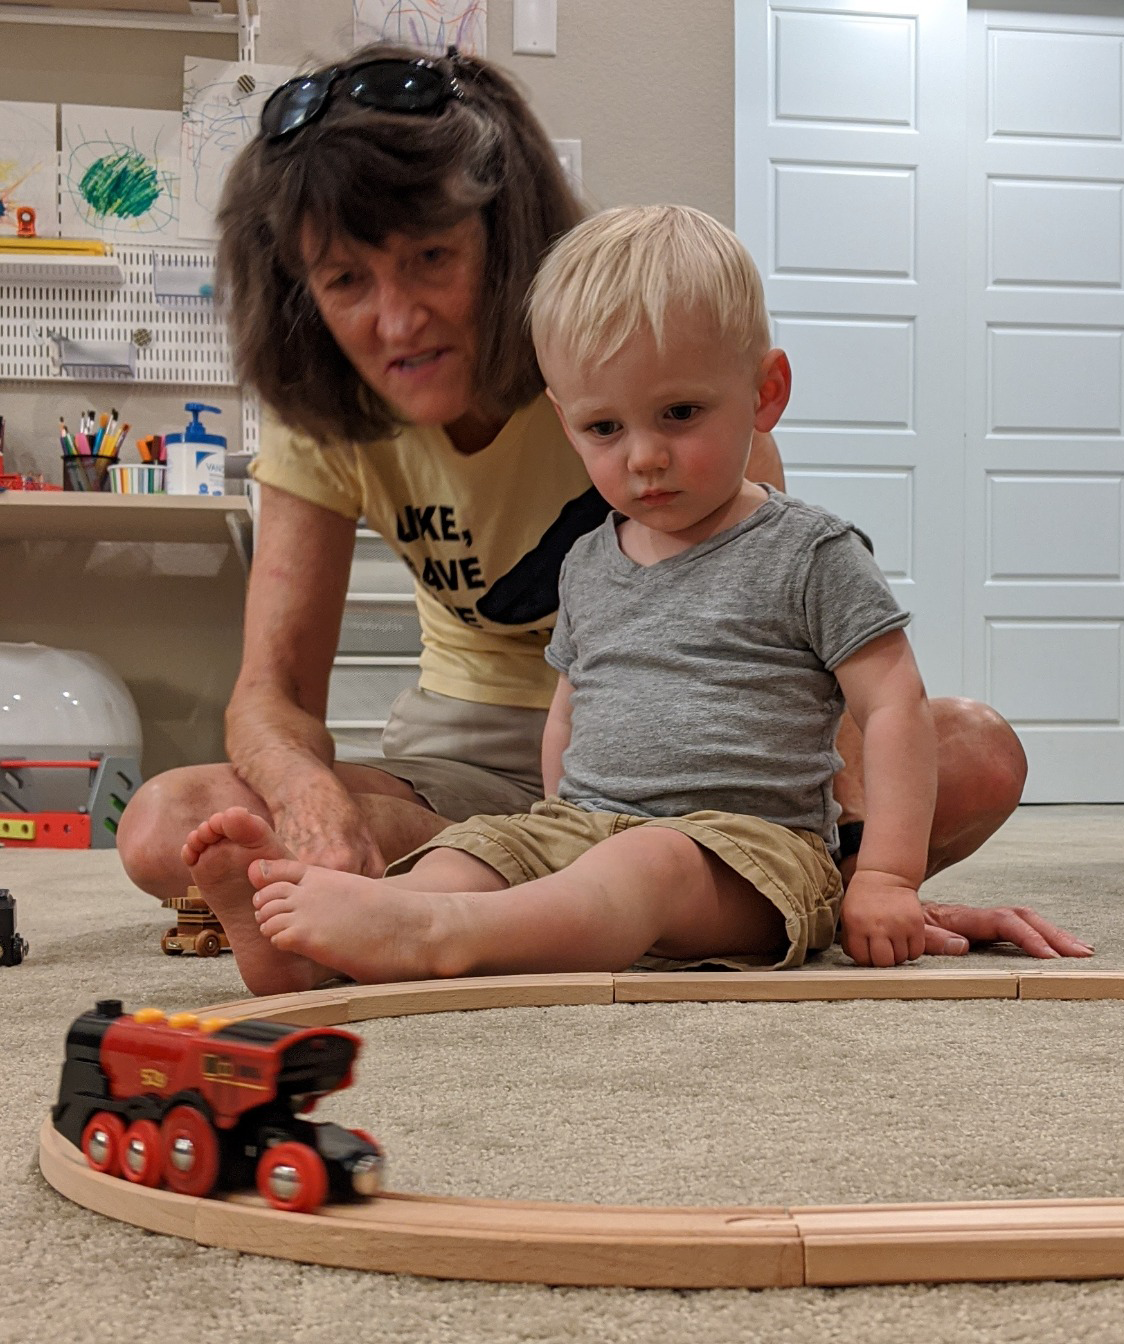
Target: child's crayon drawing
x,y
222,102
120,173
433,25
28,166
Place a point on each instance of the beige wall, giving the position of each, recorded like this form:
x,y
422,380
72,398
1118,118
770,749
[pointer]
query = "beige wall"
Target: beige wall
x,y
649,93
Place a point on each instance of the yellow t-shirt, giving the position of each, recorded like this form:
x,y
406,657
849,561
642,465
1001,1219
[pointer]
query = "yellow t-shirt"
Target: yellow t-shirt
x,y
484,535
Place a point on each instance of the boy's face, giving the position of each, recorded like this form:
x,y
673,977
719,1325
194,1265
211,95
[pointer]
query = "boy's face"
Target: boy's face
x,y
665,434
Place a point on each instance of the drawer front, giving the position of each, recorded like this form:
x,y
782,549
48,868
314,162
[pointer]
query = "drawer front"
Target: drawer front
x,y
362,690
375,568
380,625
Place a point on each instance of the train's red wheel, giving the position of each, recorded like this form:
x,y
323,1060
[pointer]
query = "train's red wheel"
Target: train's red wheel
x,y
141,1158
189,1150
102,1142
292,1176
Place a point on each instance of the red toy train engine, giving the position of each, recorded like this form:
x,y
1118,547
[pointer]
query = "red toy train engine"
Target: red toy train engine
x,y
201,1106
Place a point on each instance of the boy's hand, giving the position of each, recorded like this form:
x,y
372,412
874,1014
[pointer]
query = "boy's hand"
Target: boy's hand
x,y
882,923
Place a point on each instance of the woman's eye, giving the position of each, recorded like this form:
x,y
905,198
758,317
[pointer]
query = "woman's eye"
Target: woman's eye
x,y
339,280
434,256
684,411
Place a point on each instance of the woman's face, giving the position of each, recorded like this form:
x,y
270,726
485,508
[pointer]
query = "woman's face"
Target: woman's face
x,y
405,315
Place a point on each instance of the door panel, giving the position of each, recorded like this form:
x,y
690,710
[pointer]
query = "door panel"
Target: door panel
x,y
935,196
1044,503
849,127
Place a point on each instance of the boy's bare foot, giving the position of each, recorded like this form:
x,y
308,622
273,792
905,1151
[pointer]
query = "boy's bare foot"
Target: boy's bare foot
x,y
373,930
219,853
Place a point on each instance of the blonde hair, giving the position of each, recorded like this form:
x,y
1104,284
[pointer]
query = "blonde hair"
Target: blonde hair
x,y
643,266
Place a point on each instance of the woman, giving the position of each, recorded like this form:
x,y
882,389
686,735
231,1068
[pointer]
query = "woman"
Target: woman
x,y
379,235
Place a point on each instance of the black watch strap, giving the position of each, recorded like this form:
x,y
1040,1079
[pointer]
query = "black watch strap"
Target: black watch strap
x,y
850,838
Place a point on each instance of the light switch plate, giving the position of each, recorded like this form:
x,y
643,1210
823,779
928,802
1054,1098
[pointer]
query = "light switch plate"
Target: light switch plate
x,y
535,27
570,157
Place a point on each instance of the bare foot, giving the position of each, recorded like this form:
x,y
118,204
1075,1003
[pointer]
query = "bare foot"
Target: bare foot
x,y
371,929
219,853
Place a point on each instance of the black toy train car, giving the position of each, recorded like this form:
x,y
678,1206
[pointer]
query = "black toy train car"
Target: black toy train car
x,y
13,949
209,1105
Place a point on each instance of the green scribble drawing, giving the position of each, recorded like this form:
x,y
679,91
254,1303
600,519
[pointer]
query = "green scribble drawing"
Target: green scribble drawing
x,y
124,185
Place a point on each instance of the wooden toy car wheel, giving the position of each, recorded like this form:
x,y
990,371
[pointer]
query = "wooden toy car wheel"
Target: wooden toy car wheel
x,y
292,1177
189,1150
102,1141
207,943
166,944
141,1158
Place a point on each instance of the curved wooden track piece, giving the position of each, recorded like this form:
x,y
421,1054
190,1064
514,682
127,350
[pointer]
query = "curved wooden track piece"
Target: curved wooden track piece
x,y
639,1246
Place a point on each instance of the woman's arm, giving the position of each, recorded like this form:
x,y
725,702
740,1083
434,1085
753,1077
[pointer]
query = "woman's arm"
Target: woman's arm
x,y
275,733
556,736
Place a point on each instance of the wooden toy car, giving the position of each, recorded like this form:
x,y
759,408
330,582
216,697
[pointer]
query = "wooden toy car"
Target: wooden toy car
x,y
199,1106
197,933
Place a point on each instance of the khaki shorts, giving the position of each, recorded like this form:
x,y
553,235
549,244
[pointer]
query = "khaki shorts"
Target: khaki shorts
x,y
464,758
792,869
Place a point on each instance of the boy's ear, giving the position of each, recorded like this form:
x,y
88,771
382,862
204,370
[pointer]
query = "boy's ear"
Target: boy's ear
x,y
774,387
558,411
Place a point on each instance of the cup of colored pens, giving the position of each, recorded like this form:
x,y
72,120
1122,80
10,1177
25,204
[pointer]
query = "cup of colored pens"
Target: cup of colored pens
x,y
88,454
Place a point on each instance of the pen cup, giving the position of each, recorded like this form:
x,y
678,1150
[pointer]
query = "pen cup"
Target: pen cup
x,y
84,472
146,478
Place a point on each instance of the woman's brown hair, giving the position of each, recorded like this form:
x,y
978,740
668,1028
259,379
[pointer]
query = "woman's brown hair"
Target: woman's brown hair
x,y
358,173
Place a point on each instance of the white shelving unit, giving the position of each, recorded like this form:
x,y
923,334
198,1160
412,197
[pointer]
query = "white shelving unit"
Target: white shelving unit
x,y
380,645
59,268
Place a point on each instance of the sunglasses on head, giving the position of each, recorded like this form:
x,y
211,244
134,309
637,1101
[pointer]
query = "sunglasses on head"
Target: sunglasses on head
x,y
387,84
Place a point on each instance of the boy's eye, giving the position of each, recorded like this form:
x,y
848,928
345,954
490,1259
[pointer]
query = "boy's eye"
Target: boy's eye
x,y
601,429
683,411
433,256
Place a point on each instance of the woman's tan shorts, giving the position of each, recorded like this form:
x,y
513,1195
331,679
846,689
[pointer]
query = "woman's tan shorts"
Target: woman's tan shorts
x,y
464,758
792,869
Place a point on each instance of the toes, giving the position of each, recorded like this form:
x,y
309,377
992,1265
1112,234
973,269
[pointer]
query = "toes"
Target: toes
x,y
262,872
273,921
240,825
277,894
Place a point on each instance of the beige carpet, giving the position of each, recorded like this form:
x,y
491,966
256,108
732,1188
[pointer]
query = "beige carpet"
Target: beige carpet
x,y
696,1103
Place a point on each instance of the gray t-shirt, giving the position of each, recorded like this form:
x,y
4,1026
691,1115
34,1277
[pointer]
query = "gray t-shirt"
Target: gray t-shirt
x,y
704,681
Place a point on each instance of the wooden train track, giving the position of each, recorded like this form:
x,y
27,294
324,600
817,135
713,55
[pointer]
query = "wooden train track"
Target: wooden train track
x,y
641,1246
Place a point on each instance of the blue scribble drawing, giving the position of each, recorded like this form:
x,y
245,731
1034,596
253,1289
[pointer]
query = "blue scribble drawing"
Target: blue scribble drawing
x,y
120,173
222,102
433,25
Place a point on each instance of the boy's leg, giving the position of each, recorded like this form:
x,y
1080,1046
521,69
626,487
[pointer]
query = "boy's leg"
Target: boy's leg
x,y
218,855
646,888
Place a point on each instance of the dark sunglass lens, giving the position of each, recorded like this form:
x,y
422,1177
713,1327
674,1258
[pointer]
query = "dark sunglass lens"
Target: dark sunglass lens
x,y
293,104
397,86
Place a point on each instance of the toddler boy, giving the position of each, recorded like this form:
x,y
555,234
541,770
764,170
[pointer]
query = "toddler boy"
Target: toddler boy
x,y
708,635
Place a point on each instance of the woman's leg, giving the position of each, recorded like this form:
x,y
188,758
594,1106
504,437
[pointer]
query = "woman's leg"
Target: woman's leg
x,y
981,770
163,811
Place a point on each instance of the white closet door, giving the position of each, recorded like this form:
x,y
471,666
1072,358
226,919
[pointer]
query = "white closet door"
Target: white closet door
x,y
849,194
1044,594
